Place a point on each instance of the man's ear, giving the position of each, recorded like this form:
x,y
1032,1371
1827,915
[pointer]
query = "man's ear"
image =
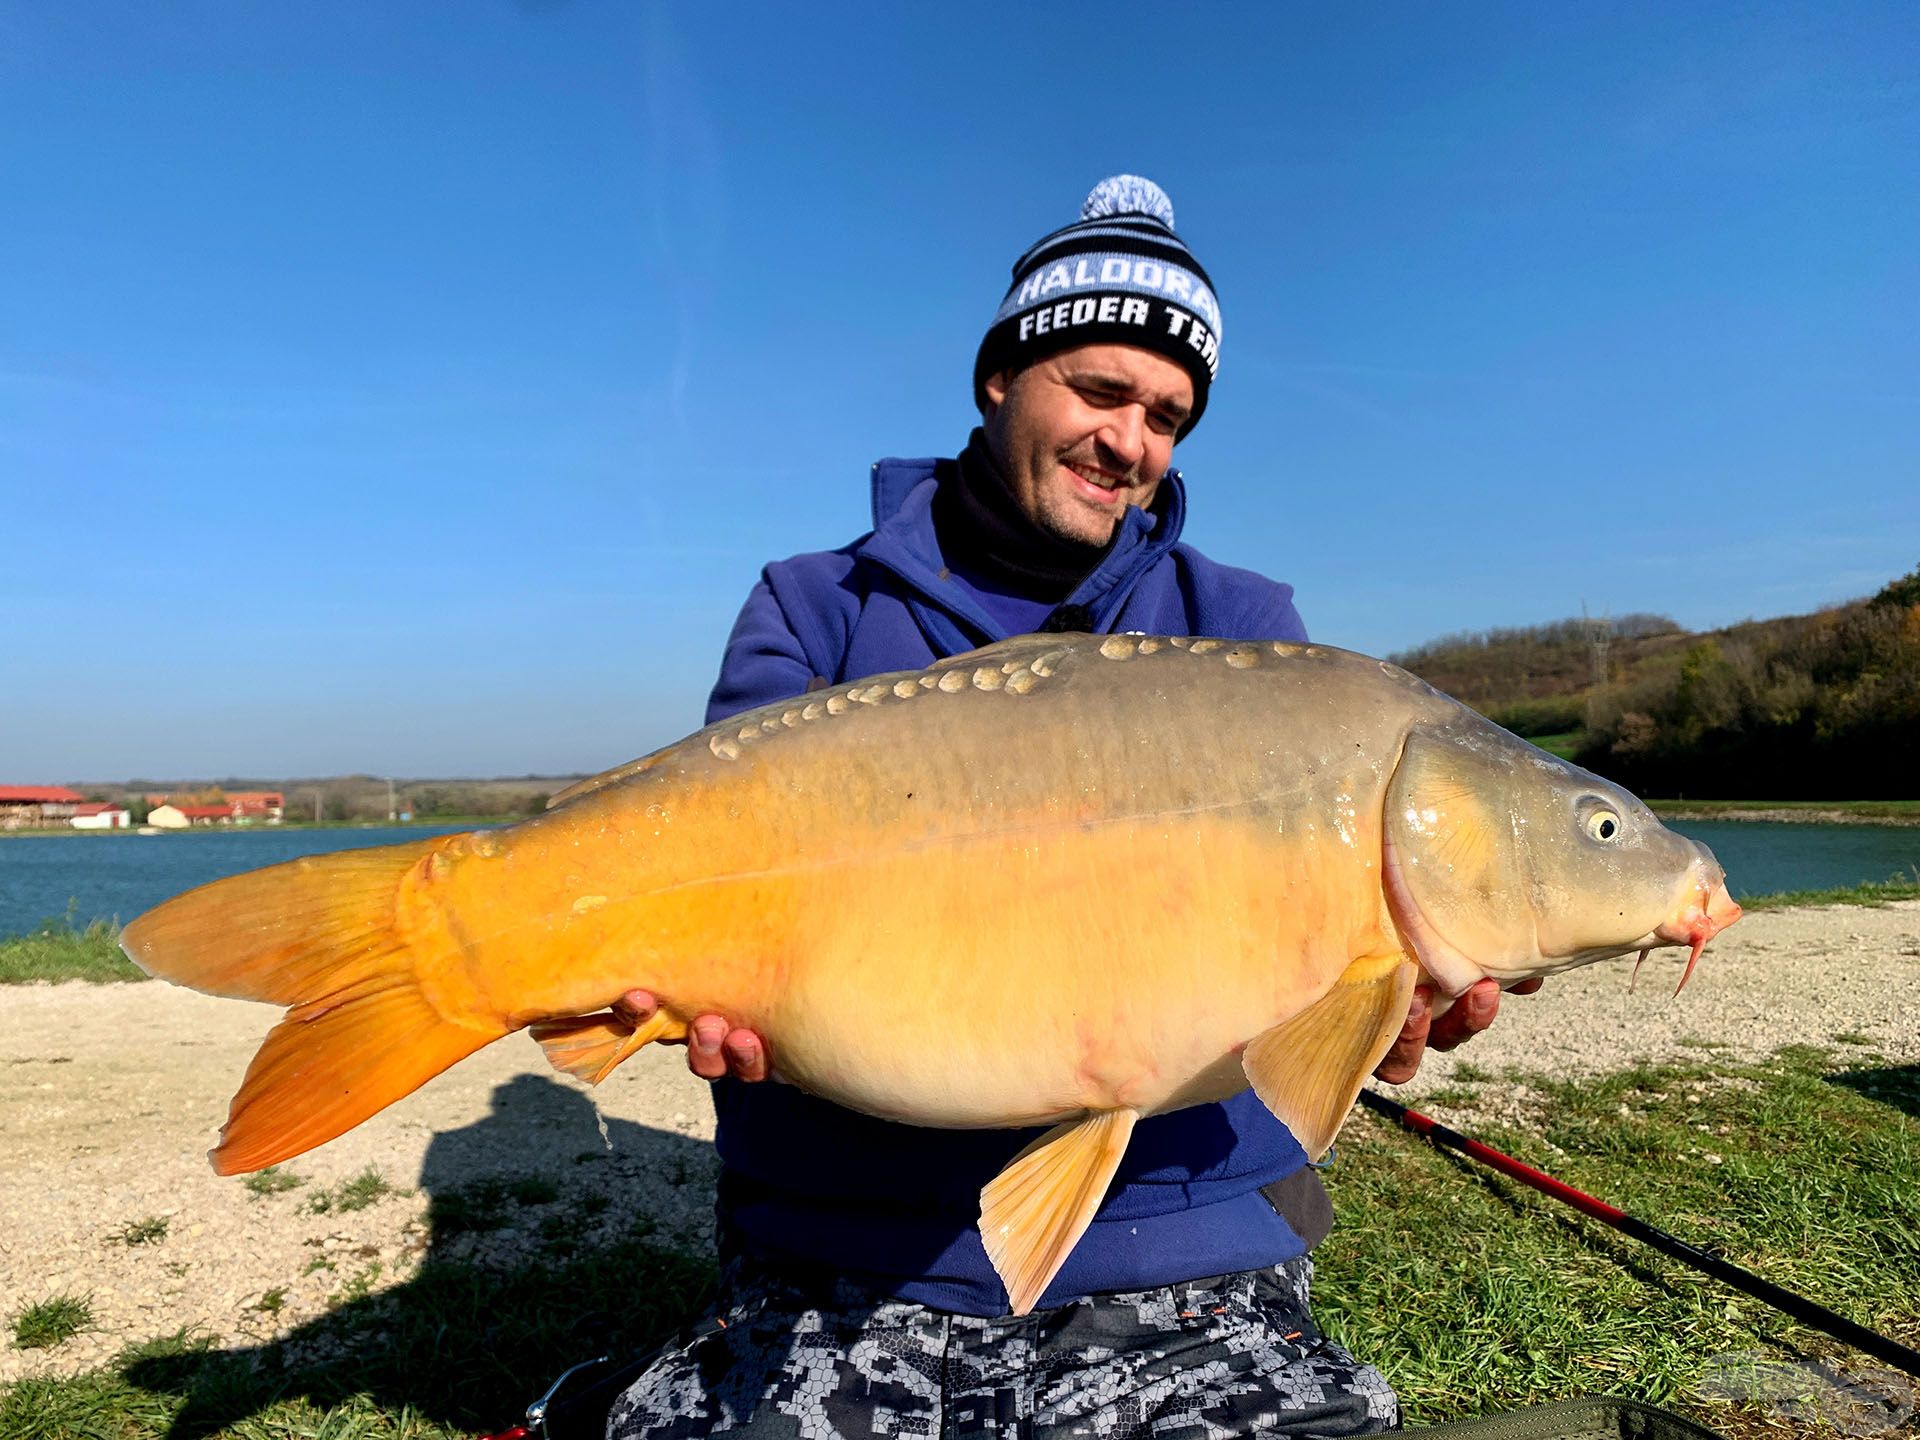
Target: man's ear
x,y
994,392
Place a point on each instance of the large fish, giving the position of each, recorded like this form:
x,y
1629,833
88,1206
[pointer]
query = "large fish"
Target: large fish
x,y
1066,881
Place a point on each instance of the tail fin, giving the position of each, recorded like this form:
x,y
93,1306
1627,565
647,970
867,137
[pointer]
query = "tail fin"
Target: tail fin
x,y
328,937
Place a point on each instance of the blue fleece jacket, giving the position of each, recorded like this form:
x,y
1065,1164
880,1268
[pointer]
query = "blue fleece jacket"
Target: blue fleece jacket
x,y
807,1183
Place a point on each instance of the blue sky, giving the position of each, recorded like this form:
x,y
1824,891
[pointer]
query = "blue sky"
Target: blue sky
x,y
418,389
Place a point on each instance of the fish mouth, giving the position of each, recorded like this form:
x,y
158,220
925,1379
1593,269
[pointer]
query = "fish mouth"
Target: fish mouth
x,y
1710,910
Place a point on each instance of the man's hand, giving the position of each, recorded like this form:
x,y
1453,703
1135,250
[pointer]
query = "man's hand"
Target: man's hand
x,y
1470,1014
713,1049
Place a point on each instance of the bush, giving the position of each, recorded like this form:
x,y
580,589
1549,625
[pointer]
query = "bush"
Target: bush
x,y
1548,715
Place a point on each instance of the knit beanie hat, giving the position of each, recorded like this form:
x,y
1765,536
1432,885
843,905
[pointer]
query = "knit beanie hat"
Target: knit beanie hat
x,y
1118,277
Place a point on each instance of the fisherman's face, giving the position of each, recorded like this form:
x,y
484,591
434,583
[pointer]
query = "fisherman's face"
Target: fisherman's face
x,y
1085,433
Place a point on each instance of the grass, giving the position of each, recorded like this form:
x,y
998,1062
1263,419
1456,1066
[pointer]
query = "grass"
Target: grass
x,y
48,1323
453,1351
355,1194
271,1181
360,1285
1893,811
1566,744
490,1204
59,950
1871,892
143,1232
1474,1294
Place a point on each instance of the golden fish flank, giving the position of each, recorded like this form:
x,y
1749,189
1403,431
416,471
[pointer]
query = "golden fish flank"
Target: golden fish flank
x,y
1053,827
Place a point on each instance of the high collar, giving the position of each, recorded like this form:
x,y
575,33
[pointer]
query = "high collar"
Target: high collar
x,y
905,541
987,536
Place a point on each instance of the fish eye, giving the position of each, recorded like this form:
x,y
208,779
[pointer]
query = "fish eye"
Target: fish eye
x,y
1603,825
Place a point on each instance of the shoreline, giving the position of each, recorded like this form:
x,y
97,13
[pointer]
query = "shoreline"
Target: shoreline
x,y
1811,812
437,822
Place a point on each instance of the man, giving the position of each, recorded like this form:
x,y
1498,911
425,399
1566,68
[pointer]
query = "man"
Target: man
x,y
857,1299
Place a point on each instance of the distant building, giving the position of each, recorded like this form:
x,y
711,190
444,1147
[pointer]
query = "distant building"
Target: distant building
x,y
180,817
32,807
242,807
206,814
267,805
100,815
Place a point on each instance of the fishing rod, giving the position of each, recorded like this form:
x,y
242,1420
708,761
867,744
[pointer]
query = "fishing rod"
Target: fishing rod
x,y
1818,1316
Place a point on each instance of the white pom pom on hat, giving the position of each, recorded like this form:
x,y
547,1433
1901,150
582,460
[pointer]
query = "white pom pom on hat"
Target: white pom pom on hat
x,y
1128,195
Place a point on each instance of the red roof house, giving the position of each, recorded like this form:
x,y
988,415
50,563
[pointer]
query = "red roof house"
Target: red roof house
x,y
206,814
39,795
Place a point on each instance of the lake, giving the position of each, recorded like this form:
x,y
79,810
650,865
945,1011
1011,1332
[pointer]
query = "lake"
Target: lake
x,y
116,876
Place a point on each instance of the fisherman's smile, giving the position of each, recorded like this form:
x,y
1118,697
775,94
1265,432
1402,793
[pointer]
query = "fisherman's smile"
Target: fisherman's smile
x,y
1096,486
1081,435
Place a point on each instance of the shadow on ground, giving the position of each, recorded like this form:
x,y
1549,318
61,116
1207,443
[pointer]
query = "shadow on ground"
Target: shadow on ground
x,y
1898,1086
545,1247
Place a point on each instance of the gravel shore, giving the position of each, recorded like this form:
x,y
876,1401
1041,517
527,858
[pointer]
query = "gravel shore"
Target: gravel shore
x,y
110,1096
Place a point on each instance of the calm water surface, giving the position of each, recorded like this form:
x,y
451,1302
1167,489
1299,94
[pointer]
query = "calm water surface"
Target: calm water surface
x,y
1762,858
117,876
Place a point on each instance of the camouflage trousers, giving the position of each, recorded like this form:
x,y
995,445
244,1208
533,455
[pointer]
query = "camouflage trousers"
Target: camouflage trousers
x,y
1238,1355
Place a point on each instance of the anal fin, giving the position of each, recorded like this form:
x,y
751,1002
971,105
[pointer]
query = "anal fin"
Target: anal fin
x,y
1308,1069
1033,1212
588,1047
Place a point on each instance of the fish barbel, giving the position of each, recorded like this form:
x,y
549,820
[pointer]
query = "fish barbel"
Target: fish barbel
x,y
1065,880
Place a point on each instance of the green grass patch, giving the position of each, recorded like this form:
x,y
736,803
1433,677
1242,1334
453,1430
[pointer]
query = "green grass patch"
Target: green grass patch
x,y
1891,811
360,1285
491,1204
47,1323
355,1194
533,1190
469,1209
1566,744
271,1181
1871,892
60,950
453,1351
143,1232
1473,1294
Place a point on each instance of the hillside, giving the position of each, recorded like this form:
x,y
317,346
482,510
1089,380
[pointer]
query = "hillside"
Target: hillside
x,y
1820,706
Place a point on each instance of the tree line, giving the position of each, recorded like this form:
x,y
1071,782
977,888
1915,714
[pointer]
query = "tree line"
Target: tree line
x,y
1806,707
1823,706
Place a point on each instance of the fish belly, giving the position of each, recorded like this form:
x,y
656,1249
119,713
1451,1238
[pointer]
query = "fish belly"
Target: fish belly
x,y
1014,980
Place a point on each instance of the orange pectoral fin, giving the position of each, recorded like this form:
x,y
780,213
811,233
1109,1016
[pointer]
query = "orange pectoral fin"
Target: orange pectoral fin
x,y
588,1047
1307,1070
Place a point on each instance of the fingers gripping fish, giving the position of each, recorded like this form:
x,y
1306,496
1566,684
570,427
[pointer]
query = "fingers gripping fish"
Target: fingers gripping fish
x,y
1117,875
